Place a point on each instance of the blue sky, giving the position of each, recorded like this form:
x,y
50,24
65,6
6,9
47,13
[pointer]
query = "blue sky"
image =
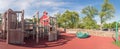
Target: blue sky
x,y
55,6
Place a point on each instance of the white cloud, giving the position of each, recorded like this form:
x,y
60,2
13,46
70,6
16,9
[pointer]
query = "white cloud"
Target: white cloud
x,y
24,4
19,4
28,16
5,3
49,3
30,5
53,13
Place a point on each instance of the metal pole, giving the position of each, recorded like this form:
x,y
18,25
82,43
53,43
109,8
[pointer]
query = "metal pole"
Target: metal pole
x,y
116,31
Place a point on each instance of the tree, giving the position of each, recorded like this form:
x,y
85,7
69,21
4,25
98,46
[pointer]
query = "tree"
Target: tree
x,y
113,24
72,18
89,23
106,13
68,19
90,11
106,25
58,16
88,20
109,25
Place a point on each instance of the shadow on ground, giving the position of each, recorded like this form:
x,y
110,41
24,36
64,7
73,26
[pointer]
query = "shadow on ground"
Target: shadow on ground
x,y
2,40
44,43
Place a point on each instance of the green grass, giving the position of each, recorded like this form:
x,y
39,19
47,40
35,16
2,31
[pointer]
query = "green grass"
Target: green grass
x,y
117,43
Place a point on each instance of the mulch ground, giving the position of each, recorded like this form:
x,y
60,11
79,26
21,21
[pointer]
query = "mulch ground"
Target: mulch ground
x,y
65,41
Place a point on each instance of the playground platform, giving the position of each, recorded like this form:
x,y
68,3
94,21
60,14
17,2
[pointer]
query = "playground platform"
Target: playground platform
x,y
66,41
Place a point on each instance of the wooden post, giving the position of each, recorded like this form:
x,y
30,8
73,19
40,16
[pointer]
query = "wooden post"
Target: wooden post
x,y
37,36
43,29
49,33
33,26
22,19
4,24
56,29
17,20
22,23
7,26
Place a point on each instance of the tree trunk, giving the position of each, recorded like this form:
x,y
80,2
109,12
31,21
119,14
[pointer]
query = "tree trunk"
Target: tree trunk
x,y
101,24
65,28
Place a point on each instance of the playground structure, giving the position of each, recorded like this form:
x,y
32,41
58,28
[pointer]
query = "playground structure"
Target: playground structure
x,y
44,28
14,29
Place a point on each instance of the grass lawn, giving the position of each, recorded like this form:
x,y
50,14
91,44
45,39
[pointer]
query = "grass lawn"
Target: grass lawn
x,y
117,43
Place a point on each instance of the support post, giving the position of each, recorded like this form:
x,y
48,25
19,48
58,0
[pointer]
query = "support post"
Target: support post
x,y
116,32
33,26
56,29
37,36
22,18
4,25
7,27
22,23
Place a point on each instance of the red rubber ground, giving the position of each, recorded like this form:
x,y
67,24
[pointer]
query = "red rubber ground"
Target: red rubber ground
x,y
66,41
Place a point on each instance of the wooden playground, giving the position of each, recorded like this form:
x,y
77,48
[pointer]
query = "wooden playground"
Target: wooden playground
x,y
14,28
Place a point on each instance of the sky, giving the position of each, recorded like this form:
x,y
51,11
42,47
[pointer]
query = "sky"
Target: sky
x,y
56,6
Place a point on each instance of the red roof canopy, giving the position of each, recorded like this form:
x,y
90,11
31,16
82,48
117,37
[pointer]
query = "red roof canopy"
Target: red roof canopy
x,y
44,20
